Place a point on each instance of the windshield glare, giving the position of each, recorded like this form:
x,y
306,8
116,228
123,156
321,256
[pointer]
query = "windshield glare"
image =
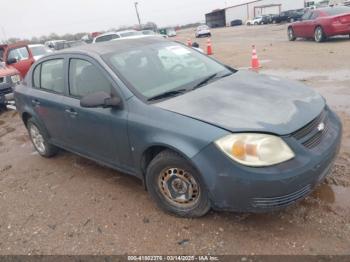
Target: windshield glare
x,y
158,68
127,34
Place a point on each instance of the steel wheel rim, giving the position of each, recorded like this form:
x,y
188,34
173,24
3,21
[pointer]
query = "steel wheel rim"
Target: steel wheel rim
x,y
318,34
179,187
291,34
37,138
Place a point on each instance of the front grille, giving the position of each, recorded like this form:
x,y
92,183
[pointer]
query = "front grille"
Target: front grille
x,y
306,130
310,135
5,91
317,138
281,201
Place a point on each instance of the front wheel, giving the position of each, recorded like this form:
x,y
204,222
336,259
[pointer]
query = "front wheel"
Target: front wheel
x,y
39,140
291,34
319,35
176,186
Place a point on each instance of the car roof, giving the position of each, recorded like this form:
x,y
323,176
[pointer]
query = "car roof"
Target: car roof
x,y
103,48
35,45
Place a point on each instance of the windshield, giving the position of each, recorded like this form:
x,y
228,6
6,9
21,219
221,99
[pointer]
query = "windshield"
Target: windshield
x,y
127,34
158,68
39,50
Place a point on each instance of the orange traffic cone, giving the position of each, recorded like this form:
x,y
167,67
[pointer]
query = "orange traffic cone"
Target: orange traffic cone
x,y
255,60
189,43
209,47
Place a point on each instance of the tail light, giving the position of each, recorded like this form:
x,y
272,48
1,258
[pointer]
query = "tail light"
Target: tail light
x,y
342,20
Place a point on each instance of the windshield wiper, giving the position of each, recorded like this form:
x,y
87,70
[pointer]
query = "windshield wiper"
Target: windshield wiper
x,y
167,94
207,79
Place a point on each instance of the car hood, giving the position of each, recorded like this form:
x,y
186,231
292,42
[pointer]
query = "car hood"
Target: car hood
x,y
250,102
7,71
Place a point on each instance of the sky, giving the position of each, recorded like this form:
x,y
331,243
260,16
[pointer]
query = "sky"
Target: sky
x,y
28,18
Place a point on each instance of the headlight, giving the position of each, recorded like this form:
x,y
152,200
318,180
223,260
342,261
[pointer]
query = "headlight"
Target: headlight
x,y
255,150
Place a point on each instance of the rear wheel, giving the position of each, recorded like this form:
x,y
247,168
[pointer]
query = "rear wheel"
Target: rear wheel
x,y
319,35
176,186
291,34
40,140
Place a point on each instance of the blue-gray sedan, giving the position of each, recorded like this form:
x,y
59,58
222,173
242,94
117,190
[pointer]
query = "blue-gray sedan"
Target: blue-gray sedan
x,y
198,133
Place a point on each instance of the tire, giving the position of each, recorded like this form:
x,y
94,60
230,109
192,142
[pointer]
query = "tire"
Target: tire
x,y
40,140
291,34
319,35
169,176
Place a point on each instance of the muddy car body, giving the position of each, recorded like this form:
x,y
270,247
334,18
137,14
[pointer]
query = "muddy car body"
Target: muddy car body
x,y
199,134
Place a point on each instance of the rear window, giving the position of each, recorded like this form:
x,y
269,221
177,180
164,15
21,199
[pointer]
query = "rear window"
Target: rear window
x,y
338,10
127,34
106,38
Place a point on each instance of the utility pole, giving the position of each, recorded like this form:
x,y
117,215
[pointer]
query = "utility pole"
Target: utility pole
x,y
4,34
137,13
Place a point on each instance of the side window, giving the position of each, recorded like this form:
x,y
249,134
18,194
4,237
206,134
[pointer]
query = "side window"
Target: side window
x,y
36,76
306,16
314,16
86,78
52,75
19,53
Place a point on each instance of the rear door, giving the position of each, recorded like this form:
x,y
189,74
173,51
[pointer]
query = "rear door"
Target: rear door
x,y
23,57
300,27
99,133
309,30
47,94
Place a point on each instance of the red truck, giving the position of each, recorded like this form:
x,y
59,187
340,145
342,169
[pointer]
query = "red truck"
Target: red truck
x,y
17,56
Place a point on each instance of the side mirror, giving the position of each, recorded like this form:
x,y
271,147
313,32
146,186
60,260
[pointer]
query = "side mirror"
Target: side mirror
x,y
11,61
99,99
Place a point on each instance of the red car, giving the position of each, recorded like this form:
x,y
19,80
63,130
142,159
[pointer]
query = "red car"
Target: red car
x,y
321,24
17,56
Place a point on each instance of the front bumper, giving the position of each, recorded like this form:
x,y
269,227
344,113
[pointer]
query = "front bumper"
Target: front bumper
x,y
5,89
234,187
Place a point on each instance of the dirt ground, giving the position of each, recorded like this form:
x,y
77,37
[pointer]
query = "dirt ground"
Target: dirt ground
x,y
69,205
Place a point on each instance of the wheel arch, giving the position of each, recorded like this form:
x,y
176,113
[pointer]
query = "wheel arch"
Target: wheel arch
x,y
149,153
25,117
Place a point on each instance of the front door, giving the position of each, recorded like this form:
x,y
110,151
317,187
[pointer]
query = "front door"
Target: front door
x,y
89,130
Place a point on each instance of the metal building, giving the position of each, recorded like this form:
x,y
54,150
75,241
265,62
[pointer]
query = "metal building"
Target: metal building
x,y
251,9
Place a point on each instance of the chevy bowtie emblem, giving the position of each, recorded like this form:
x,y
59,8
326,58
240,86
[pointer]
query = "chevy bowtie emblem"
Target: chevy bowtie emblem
x,y
320,127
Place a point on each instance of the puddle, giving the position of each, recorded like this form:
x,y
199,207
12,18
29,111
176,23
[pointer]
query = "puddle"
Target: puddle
x,y
330,84
332,195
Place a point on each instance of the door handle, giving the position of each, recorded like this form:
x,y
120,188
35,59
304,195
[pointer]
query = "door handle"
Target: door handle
x,y
71,111
35,102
